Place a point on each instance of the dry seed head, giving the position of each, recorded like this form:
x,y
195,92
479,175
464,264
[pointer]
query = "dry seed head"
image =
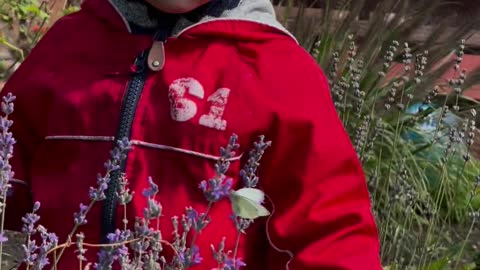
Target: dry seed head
x,y
334,68
389,54
361,134
352,50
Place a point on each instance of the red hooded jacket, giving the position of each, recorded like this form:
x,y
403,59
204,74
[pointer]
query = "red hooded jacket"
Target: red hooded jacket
x,y
239,73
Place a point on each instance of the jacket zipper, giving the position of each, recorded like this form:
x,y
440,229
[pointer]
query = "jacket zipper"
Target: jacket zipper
x,y
129,106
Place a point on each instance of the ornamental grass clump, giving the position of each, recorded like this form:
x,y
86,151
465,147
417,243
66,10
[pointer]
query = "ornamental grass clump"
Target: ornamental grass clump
x,y
413,131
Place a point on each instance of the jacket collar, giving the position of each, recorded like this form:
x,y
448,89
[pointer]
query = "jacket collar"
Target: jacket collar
x,y
133,15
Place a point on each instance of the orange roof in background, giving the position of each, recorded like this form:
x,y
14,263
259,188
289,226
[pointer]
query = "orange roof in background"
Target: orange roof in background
x,y
470,63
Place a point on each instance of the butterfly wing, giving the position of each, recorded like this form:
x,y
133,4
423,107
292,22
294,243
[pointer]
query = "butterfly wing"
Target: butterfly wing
x,y
252,194
243,207
246,208
262,211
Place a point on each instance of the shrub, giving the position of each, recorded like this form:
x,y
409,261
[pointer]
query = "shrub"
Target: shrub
x,y
22,24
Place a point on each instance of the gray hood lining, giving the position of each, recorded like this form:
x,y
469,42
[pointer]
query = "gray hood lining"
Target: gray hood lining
x,y
258,11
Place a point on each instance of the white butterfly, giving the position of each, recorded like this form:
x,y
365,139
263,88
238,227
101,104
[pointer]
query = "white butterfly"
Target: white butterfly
x,y
247,203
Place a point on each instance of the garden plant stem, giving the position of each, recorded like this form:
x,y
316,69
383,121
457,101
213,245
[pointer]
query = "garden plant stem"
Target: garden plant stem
x,y
2,231
70,236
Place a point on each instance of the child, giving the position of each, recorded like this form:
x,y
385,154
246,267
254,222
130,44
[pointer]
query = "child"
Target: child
x,y
178,78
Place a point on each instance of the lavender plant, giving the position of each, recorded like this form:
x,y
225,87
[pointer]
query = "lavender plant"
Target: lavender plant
x,y
24,22
140,248
6,174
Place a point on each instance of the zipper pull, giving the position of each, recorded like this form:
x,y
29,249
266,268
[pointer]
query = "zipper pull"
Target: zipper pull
x,y
139,64
156,56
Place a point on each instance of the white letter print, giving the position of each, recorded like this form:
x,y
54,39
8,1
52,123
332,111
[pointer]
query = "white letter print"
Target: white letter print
x,y
218,102
183,109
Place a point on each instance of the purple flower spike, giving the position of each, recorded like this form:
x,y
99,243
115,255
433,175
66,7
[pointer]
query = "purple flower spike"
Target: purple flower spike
x,y
190,258
80,217
36,206
195,256
29,221
249,171
152,190
6,144
7,104
198,222
118,154
217,188
231,264
3,238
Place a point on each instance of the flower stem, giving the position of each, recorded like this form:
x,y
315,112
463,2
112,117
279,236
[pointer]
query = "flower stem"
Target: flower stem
x,y
67,245
12,47
28,241
237,243
464,244
4,207
194,238
70,236
125,220
55,258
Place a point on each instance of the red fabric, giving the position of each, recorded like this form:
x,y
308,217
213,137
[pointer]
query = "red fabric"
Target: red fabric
x,y
73,83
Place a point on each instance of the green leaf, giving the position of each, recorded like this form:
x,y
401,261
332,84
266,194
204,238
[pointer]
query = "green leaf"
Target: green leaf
x,y
441,264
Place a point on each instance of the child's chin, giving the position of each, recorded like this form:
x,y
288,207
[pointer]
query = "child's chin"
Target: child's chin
x,y
177,7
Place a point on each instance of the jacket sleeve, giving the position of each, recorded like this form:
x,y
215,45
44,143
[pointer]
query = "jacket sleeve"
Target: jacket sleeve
x,y
24,84
18,196
322,214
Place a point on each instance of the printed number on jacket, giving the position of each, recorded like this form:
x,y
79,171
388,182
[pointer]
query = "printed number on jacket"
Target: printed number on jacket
x,y
183,109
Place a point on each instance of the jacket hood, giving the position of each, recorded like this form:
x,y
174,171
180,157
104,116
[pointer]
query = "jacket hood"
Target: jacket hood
x,y
137,13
